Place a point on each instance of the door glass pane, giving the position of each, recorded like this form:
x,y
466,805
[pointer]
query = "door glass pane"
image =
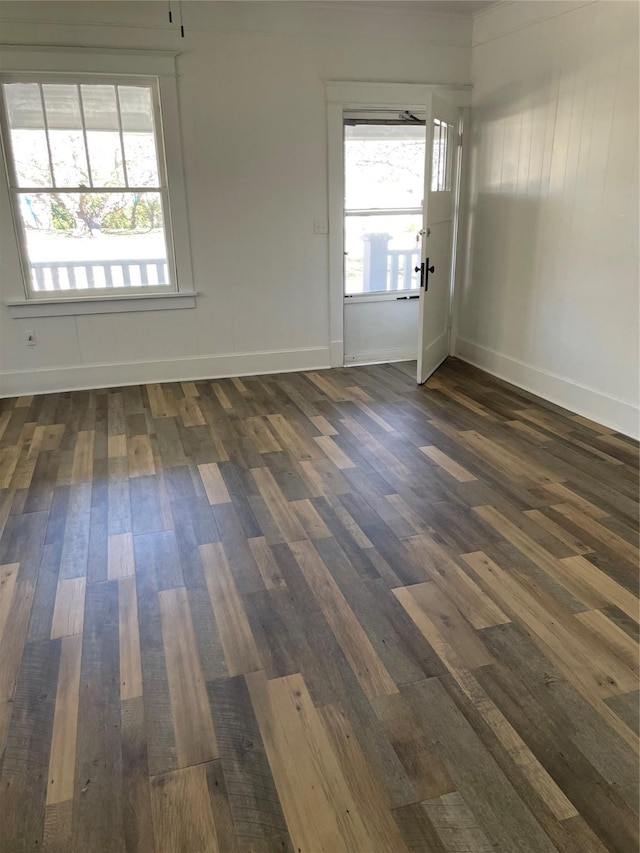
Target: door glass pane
x,y
103,135
28,137
384,166
441,156
136,110
94,240
381,253
66,139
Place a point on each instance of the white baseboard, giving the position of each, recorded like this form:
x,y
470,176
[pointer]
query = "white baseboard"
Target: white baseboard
x,y
381,356
87,376
588,402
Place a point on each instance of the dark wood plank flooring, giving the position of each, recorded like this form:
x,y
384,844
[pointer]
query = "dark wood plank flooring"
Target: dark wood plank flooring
x,y
329,611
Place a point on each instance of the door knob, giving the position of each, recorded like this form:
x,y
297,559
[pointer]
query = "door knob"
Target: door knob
x,y
429,269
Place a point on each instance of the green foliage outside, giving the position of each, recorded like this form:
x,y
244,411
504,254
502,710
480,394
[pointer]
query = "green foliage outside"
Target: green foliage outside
x,y
61,219
116,220
108,213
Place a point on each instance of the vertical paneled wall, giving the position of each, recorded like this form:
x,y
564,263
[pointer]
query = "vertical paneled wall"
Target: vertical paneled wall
x,y
550,299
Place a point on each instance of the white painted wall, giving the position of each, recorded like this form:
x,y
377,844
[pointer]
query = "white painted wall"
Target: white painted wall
x,y
550,300
253,115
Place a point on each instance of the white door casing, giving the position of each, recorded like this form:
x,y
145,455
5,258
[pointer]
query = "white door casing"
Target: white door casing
x,y
344,96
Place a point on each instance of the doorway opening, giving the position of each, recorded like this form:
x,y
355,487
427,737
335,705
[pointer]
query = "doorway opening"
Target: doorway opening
x,y
384,165
394,221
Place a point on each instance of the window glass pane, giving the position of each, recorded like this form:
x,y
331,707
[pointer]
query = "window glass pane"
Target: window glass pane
x,y
103,135
382,252
28,138
435,155
94,240
136,110
384,166
444,145
441,156
66,139
448,158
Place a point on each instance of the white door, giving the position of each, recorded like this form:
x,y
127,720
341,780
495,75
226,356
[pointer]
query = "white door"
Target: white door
x,y
436,267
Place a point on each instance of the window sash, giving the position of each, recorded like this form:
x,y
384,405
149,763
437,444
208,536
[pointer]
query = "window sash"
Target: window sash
x,y
383,211
15,191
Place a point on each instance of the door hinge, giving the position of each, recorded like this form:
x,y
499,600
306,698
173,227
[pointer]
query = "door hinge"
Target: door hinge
x,y
460,140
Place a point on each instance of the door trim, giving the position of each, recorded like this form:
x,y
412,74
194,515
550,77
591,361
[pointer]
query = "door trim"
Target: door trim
x,y
343,96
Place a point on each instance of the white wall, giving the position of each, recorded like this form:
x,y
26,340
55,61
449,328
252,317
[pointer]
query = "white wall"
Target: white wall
x,y
550,300
253,114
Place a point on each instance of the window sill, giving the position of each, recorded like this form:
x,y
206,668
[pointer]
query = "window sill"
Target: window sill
x,y
382,297
70,306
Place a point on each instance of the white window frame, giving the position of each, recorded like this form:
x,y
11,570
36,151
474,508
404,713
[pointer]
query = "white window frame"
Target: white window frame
x,y
126,67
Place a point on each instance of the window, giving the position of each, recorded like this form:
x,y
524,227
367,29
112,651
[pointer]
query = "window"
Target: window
x,y
441,156
87,180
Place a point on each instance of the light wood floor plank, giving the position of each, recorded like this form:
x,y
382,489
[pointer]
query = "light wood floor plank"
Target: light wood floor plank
x,y
182,816
214,484
193,727
266,562
367,666
608,538
479,609
335,454
8,578
129,632
60,786
283,515
580,572
82,469
120,559
140,456
449,465
14,638
238,643
68,613
320,809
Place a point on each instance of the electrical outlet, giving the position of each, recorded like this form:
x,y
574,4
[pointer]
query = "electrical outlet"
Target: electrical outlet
x,y
30,338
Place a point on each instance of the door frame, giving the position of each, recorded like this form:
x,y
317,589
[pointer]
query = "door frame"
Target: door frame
x,y
344,96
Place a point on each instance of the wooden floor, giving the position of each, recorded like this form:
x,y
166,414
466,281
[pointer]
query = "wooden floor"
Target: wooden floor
x,y
313,612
